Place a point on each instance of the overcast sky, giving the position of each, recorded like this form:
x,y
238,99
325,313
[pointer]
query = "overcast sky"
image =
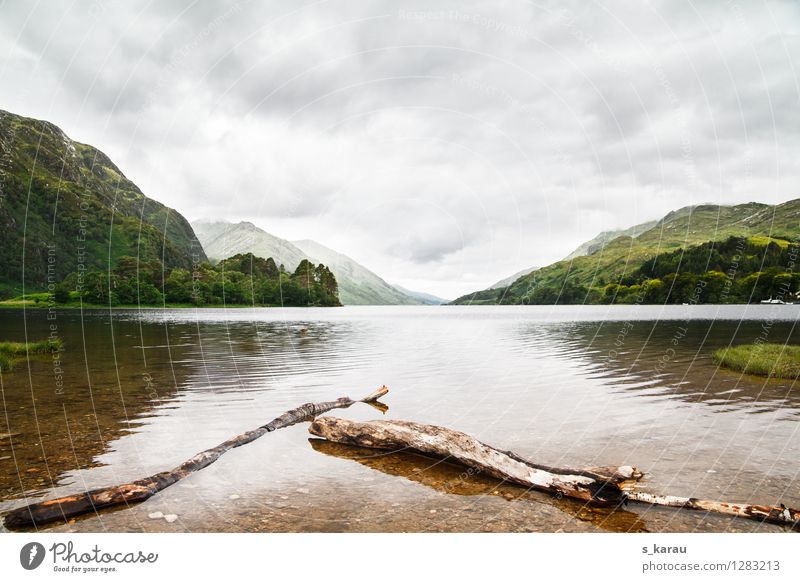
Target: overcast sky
x,y
443,145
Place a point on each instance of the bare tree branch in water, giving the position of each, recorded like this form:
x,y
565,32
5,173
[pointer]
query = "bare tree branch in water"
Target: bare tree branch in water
x,y
137,491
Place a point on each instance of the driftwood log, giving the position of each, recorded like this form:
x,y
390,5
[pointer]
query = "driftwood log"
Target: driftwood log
x,y
607,485
81,503
604,485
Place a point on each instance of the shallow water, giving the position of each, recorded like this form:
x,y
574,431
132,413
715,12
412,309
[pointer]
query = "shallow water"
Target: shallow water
x,y
569,386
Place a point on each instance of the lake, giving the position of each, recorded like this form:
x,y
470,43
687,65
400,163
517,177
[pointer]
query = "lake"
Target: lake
x,y
139,391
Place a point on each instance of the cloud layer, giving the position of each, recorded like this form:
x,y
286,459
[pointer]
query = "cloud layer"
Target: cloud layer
x,y
444,148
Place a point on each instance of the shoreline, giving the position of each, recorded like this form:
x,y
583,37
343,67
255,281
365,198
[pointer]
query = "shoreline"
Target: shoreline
x,y
78,306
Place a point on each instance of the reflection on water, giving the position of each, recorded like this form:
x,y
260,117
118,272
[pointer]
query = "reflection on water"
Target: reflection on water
x,y
458,480
564,386
673,358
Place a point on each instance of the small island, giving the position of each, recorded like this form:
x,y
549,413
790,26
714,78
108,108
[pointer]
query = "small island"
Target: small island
x,y
13,352
761,359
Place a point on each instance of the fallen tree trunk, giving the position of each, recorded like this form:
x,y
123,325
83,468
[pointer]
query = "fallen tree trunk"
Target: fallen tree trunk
x,y
73,505
606,485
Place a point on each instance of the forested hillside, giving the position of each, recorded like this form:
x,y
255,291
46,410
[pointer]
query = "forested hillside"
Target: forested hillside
x,y
66,208
700,234
243,279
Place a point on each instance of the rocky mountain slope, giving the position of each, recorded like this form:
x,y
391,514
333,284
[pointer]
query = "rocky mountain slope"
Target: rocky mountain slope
x,y
590,247
66,207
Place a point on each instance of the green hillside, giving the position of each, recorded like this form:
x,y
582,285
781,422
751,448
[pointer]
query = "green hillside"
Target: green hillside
x,y
65,208
580,279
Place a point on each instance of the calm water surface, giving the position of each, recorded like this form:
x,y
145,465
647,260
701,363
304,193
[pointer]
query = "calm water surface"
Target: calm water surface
x,y
570,386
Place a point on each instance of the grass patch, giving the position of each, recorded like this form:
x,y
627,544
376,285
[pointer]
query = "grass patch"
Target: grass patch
x,y
762,240
12,352
775,360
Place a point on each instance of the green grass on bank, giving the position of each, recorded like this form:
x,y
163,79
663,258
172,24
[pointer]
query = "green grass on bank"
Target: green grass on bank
x,y
775,360
12,352
40,299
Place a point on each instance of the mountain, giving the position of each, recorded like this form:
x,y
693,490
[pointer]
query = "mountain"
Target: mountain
x,y
223,239
425,298
588,248
508,280
66,207
599,242
357,284
624,255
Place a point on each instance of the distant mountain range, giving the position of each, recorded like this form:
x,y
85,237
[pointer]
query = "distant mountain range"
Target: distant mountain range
x,y
424,298
65,206
613,257
66,209
222,239
357,284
